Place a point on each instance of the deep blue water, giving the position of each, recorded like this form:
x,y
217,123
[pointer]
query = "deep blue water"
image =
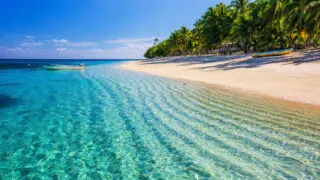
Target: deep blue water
x,y
109,123
36,63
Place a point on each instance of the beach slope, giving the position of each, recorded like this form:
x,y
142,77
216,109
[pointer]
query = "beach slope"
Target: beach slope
x,y
294,77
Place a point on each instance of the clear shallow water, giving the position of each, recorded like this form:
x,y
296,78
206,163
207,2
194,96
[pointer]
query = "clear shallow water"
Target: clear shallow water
x,y
107,123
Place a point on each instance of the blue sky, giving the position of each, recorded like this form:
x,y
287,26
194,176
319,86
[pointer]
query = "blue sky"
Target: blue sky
x,y
91,28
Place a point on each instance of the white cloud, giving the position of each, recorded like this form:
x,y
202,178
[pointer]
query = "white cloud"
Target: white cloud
x,y
82,44
64,49
59,41
61,49
65,53
64,42
29,37
30,42
132,47
16,49
127,41
96,50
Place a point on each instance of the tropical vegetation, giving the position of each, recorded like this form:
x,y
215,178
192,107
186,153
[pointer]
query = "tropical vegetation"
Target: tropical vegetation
x,y
246,26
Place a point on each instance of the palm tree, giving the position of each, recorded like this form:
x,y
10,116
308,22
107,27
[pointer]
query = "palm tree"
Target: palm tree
x,y
240,5
298,14
198,37
261,24
313,19
156,41
173,43
242,30
215,25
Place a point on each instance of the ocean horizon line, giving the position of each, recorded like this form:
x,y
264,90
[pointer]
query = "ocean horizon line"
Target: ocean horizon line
x,y
67,59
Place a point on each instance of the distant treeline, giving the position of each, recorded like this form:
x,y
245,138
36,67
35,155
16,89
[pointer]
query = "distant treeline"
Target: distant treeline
x,y
248,26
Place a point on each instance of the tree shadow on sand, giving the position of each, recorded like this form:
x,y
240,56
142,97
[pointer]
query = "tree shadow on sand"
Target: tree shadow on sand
x,y
239,61
190,60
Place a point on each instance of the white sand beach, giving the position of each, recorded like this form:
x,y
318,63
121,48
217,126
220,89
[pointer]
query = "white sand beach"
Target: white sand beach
x,y
294,77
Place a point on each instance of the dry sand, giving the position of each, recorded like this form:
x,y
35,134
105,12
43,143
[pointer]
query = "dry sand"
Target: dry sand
x,y
294,77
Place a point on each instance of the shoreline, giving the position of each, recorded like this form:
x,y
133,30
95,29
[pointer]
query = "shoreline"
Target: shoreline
x,y
298,105
293,79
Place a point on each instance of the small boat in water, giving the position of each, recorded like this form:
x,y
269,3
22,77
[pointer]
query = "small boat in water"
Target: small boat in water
x,y
63,67
273,53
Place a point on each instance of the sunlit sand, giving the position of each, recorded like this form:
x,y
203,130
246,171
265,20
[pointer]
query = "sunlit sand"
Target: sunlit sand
x,y
294,77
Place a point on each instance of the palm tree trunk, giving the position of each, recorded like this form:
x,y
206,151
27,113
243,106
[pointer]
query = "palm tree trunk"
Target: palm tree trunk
x,y
245,47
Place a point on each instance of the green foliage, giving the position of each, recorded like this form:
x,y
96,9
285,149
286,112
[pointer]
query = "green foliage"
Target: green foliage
x,y
243,29
240,5
250,26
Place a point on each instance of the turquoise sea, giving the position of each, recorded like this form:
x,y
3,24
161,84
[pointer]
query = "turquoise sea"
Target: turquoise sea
x,y
109,123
